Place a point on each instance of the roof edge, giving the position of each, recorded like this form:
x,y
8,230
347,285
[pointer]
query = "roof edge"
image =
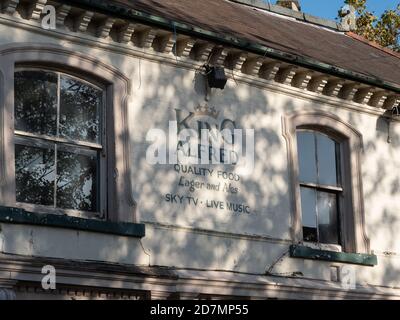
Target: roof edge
x,y
242,44
373,44
298,15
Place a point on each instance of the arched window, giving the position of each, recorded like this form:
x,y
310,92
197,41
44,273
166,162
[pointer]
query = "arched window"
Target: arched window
x,y
59,142
64,137
324,155
321,186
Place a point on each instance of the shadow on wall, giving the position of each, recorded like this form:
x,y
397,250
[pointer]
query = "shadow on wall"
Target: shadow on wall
x,y
267,187
157,90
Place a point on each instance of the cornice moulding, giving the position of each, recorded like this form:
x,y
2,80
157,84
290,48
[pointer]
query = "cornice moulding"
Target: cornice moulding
x,y
288,79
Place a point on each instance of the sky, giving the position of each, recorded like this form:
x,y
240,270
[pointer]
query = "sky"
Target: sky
x,y
328,8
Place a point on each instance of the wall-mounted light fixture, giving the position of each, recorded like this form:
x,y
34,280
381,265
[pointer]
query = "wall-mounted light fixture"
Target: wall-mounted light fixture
x,y
389,116
396,112
216,77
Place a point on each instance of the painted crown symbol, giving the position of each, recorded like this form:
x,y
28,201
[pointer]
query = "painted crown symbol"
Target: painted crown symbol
x,y
206,111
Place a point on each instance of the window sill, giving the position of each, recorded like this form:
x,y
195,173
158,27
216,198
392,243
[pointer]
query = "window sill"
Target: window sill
x,y
21,216
322,246
298,251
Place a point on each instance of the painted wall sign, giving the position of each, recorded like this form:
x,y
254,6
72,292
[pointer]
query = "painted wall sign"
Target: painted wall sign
x,y
206,152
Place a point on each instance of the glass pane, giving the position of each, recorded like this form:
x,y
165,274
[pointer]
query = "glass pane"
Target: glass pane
x,y
307,161
77,181
34,175
327,169
80,109
309,215
36,102
327,218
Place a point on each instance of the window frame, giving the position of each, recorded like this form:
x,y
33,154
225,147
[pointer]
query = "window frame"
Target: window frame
x,y
352,224
121,206
47,140
337,190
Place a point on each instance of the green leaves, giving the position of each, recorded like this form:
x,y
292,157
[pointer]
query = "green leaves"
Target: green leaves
x,y
359,5
384,30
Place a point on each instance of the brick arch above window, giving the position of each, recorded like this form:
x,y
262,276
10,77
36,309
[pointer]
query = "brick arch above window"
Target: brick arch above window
x,y
354,235
121,205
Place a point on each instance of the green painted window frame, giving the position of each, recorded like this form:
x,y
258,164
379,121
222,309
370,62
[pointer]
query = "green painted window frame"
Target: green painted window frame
x,y
21,216
304,252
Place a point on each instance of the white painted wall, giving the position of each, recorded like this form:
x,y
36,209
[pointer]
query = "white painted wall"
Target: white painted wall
x,y
211,239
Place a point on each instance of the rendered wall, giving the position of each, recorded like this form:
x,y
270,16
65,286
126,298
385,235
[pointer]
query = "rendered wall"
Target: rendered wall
x,y
187,236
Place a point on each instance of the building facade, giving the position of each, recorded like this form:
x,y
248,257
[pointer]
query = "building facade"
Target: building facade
x,y
92,96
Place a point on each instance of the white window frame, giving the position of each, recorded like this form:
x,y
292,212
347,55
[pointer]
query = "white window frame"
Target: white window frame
x,y
120,204
332,189
354,237
102,148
